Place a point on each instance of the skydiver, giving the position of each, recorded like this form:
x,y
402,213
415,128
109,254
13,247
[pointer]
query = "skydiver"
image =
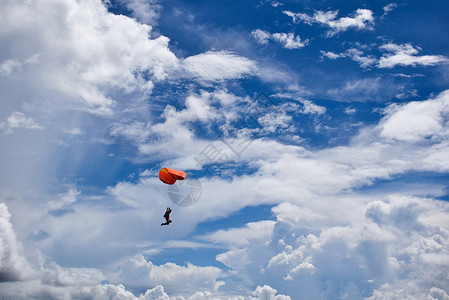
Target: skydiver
x,y
167,216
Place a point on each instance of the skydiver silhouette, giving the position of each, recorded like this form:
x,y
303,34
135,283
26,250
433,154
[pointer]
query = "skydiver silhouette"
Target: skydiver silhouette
x,y
167,216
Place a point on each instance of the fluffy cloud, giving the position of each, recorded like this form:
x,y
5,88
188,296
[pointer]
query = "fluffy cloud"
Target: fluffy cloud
x,y
417,121
174,278
328,238
20,281
287,40
268,293
13,266
361,19
375,250
91,52
50,280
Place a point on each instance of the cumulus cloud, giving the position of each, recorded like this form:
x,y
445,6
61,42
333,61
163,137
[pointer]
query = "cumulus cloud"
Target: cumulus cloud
x,y
13,266
399,240
361,19
287,40
417,121
328,239
355,236
20,281
174,278
268,293
119,53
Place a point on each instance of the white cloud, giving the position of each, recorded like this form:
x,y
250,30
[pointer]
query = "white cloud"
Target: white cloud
x,y
63,200
389,8
332,55
177,130
218,66
261,36
361,19
19,281
91,52
13,266
327,239
145,11
136,131
393,55
242,236
50,280
268,293
416,121
18,120
405,55
287,40
174,278
312,108
395,242
355,54
275,121
324,230
10,66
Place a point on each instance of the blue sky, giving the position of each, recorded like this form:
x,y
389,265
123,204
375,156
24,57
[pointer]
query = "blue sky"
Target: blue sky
x,y
315,136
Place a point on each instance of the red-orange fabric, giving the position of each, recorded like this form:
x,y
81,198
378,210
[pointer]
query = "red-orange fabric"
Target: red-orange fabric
x,y
170,176
180,175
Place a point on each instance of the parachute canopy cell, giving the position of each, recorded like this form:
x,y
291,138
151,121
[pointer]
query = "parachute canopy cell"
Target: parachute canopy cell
x,y
170,176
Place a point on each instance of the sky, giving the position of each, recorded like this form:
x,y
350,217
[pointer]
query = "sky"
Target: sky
x,y
314,135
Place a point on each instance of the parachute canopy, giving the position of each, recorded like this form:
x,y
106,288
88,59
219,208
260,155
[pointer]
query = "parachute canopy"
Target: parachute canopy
x,y
170,176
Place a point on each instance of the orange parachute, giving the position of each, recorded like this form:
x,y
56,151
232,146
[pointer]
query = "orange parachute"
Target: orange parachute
x,y
170,176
